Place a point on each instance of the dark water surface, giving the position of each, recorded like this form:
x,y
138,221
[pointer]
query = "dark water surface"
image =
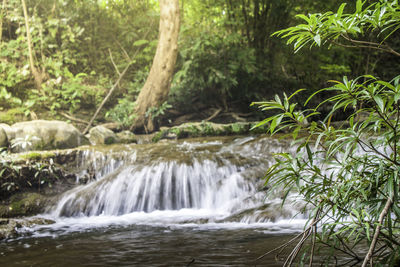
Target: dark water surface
x,y
145,246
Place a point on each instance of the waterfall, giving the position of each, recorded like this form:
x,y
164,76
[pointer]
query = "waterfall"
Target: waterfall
x,y
221,176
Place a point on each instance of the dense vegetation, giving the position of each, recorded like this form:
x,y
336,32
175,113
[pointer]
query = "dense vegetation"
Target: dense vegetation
x,y
348,173
60,58
227,58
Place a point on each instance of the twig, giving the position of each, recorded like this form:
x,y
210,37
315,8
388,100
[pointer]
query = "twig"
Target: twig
x,y
367,46
280,247
115,85
72,118
112,61
106,98
124,51
215,114
382,216
372,45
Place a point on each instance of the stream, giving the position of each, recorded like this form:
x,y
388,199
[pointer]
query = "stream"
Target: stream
x,y
193,202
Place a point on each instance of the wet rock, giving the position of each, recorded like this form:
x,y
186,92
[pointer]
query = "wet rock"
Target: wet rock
x,y
23,204
30,222
126,137
100,135
9,227
45,135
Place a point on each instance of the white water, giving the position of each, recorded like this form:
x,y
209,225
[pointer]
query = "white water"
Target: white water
x,y
198,184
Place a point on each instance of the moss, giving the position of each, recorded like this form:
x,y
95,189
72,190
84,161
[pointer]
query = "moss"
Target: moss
x,y
157,137
109,140
37,155
12,116
25,204
240,128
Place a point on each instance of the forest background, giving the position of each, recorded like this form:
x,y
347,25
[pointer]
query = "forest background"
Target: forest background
x,y
227,58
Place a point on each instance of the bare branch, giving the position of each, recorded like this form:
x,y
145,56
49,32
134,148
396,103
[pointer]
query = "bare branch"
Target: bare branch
x,y
382,216
112,61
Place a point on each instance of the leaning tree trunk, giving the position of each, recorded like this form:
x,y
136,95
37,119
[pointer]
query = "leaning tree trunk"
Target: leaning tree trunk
x,y
155,90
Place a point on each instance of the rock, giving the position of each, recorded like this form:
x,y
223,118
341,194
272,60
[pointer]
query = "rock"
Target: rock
x,y
113,126
9,130
29,222
24,204
45,135
126,137
198,129
100,135
9,227
3,138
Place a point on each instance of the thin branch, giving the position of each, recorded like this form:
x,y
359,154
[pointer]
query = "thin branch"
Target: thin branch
x,y
106,98
215,114
72,118
371,44
366,46
114,86
112,61
124,52
382,216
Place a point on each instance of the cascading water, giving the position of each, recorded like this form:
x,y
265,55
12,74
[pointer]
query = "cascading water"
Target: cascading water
x,y
165,204
221,177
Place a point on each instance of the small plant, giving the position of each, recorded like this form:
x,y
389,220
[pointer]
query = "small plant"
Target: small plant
x,y
122,112
156,112
25,142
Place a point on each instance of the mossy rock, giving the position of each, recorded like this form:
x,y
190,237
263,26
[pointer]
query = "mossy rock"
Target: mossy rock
x,y
100,135
126,137
203,129
24,204
37,155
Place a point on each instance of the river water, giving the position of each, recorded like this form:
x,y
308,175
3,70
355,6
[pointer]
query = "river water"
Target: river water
x,y
197,202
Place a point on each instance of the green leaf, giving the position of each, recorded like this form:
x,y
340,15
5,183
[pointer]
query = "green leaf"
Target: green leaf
x,y
340,10
140,42
379,102
359,5
317,39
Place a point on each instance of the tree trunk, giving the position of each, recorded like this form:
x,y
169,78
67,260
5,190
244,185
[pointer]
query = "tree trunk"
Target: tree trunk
x,y
37,75
2,14
155,90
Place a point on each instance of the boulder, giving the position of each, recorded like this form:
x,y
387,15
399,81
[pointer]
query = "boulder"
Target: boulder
x,y
9,131
3,138
100,135
126,137
45,135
